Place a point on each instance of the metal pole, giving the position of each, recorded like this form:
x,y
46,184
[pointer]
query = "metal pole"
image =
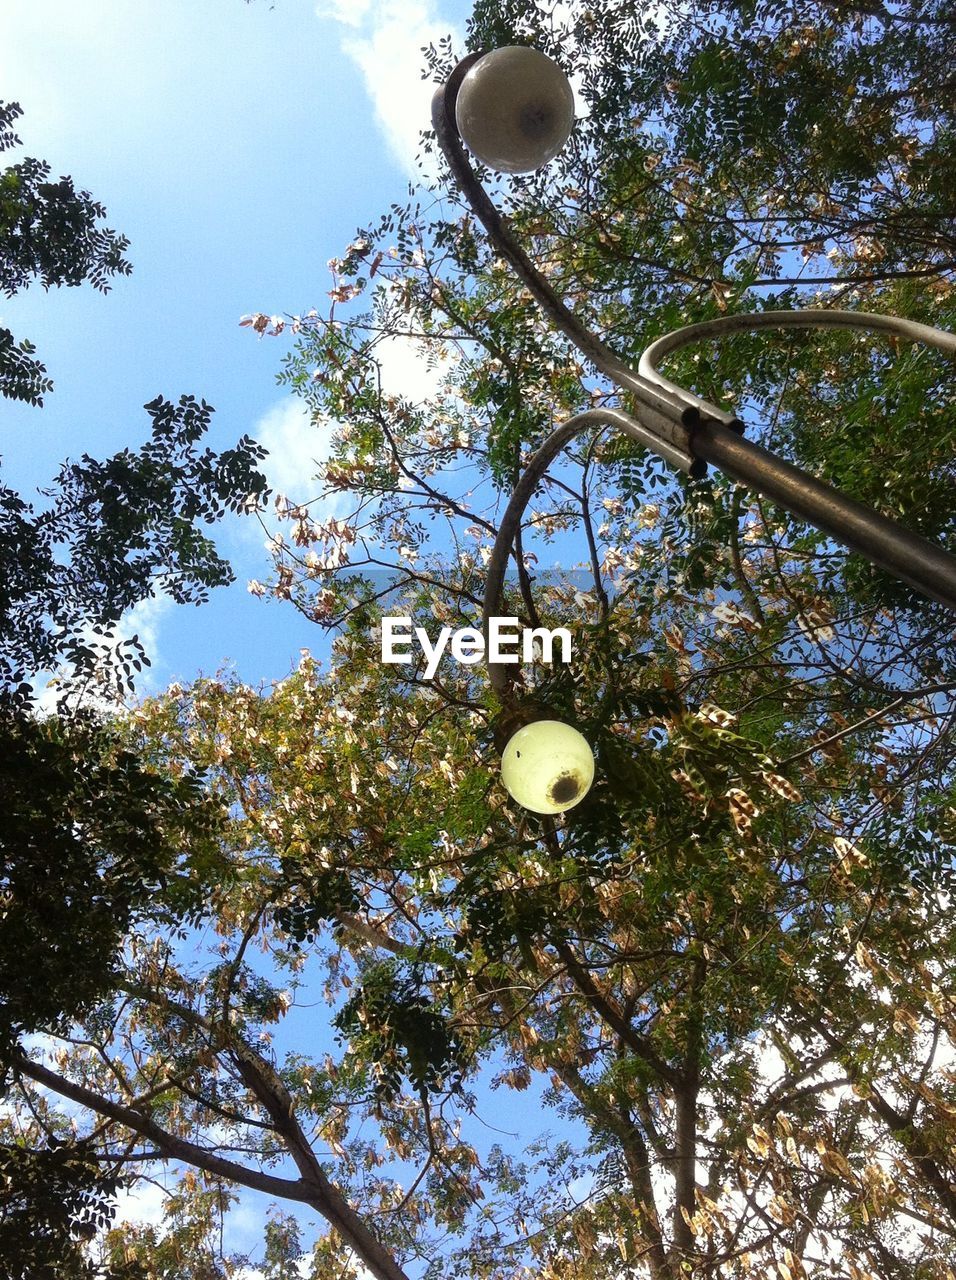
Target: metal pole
x,y
884,542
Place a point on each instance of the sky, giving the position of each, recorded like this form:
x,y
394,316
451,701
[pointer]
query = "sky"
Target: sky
x,y
239,147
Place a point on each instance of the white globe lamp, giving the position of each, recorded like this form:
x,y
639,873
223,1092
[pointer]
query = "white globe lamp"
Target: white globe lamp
x,y
547,766
515,109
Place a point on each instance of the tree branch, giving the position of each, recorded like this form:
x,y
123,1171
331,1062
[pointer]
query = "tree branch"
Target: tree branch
x,y
170,1147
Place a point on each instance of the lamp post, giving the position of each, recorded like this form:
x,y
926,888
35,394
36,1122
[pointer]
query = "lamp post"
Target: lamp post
x,y
514,109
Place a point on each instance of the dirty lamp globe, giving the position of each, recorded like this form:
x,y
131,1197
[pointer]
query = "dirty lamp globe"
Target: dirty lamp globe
x,y
547,766
515,109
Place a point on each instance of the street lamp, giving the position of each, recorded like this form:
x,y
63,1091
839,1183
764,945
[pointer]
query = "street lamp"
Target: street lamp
x,y
513,108
547,766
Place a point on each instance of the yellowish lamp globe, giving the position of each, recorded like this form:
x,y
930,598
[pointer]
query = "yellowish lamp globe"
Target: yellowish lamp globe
x,y
547,766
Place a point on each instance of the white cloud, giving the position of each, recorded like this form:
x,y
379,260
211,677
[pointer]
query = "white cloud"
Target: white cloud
x,y
297,449
405,370
385,41
143,1204
42,1045
349,12
142,620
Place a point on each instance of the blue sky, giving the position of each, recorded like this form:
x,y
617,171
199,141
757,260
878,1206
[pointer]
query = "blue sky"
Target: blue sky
x,y
239,147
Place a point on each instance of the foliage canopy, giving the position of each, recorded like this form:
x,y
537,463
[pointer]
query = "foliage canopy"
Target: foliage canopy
x,y
729,972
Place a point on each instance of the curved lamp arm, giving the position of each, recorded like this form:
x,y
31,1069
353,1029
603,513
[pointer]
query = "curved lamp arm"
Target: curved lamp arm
x,y
511,520
810,318
907,556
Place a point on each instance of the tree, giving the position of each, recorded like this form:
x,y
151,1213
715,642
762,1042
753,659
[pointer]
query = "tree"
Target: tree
x,y
89,836
454,939
729,969
48,232
116,531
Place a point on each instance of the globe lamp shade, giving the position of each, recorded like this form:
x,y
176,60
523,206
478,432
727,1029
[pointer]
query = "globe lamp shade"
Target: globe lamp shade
x,y
515,109
547,767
